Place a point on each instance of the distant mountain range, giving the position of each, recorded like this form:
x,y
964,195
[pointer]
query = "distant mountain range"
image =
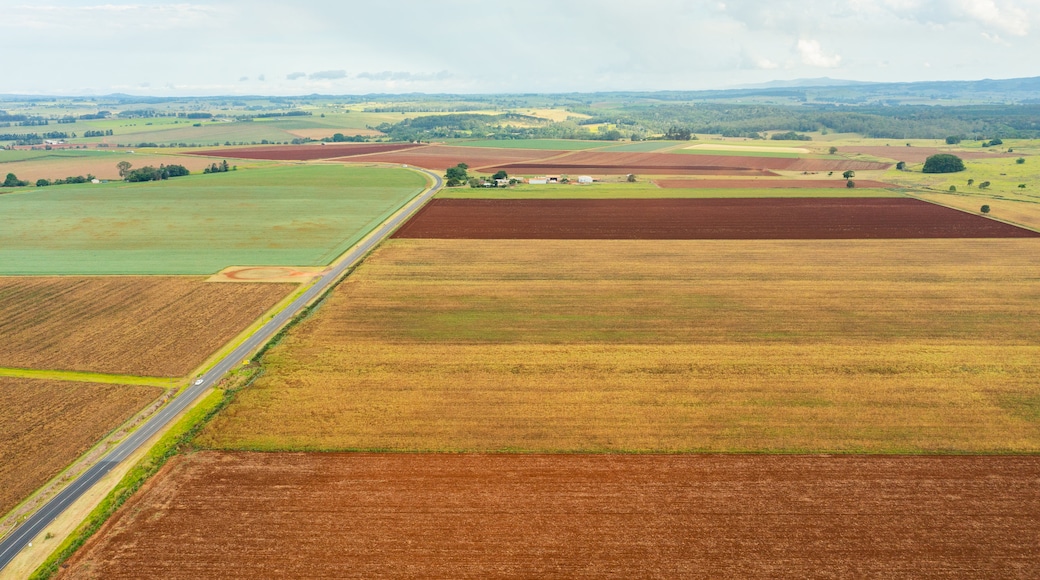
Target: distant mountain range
x,y
804,83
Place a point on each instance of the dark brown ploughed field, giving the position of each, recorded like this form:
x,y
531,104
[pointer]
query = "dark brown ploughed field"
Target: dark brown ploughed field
x,y
335,515
700,219
304,152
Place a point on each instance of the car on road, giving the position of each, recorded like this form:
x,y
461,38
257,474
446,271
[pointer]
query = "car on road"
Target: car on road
x,y
197,382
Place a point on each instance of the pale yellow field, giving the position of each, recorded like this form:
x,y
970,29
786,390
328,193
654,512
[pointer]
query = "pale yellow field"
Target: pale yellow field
x,y
1023,212
101,164
749,148
845,346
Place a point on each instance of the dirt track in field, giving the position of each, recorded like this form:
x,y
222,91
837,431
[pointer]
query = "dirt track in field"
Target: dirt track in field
x,y
695,219
45,425
766,184
304,152
259,515
134,325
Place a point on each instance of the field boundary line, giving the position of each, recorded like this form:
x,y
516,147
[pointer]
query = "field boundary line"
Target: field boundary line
x,y
89,377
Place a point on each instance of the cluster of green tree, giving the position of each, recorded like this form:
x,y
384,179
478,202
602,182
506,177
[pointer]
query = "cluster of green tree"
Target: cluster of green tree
x,y
790,136
992,142
95,116
943,163
98,133
137,113
144,144
677,133
283,114
13,181
149,173
457,175
221,167
954,139
341,138
76,179
12,118
196,115
67,120
34,122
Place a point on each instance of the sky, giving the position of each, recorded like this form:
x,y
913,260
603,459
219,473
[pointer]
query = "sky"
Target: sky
x,y
261,47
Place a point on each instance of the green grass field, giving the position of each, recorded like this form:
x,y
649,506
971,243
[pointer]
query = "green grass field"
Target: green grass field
x,y
645,190
645,146
199,224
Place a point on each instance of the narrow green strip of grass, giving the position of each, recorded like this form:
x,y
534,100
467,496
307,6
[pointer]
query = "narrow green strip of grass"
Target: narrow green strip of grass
x,y
83,377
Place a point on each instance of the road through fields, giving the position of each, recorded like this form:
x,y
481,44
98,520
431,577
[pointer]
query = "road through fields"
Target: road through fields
x,y
29,529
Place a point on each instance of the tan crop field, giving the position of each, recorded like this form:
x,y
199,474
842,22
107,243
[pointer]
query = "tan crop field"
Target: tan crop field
x,y
45,425
1024,212
129,325
541,345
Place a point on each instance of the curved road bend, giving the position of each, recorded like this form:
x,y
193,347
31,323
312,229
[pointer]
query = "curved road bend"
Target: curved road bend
x,y
30,528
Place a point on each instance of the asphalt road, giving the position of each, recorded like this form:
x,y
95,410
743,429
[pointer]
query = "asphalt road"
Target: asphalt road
x,y
30,528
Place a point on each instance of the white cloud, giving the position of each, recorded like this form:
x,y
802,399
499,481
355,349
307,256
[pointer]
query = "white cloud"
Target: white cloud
x,y
812,54
1004,16
766,64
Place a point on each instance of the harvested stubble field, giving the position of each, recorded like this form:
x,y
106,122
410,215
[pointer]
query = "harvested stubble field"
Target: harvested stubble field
x,y
473,345
304,152
440,157
768,184
144,326
1020,211
700,219
199,224
45,425
479,516
99,162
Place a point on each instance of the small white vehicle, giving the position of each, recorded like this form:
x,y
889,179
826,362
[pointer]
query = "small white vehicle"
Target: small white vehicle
x,y
197,382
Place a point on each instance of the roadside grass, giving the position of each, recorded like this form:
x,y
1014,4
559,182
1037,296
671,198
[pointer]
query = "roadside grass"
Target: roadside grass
x,y
299,215
893,346
647,190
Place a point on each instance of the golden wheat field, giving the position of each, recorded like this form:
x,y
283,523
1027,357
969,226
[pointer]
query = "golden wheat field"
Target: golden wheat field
x,y
477,345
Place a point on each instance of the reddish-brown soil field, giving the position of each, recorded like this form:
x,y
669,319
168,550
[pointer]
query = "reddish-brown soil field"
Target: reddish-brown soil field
x,y
766,183
441,157
45,425
613,163
261,515
304,152
133,325
696,219
918,154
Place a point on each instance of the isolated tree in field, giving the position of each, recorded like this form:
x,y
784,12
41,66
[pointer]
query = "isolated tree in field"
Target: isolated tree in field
x,y
501,174
953,188
953,140
984,185
849,174
631,178
901,165
123,167
833,150
1021,186
943,163
1020,160
984,209
971,182
850,184
13,181
456,175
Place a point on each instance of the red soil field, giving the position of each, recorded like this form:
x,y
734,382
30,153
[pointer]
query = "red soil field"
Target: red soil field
x,y
700,219
608,162
304,152
441,157
918,154
766,183
259,515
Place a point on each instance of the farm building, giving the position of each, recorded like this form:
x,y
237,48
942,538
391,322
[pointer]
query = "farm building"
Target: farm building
x,y
537,181
584,179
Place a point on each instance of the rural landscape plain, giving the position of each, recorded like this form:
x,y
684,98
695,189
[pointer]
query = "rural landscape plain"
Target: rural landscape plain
x,y
354,324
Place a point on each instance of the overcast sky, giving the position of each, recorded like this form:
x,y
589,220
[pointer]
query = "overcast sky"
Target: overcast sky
x,y
231,47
